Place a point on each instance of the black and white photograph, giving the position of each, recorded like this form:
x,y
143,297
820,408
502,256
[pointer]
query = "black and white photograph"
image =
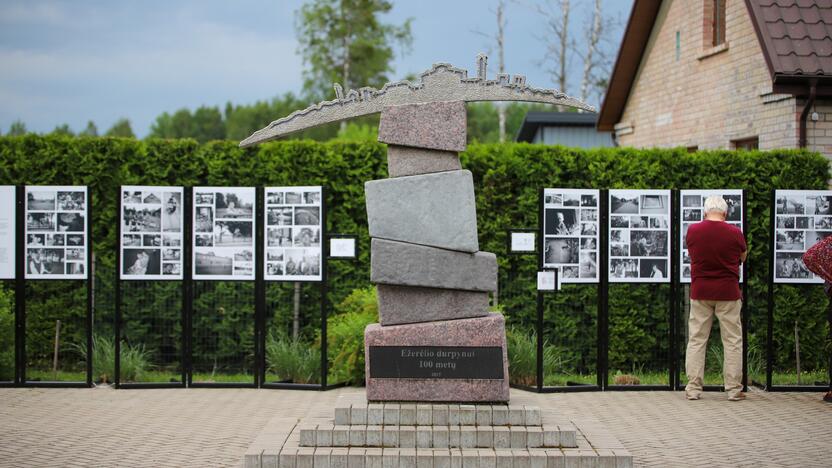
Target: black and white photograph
x,y
639,235
802,220
224,233
171,241
293,234
693,211
560,250
172,269
171,254
140,218
570,227
56,221
140,262
151,240
172,216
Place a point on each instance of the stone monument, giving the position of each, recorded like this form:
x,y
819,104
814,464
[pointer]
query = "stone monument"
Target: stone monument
x,y
436,363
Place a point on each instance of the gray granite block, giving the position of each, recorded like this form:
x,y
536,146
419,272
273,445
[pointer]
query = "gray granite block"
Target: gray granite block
x,y
537,459
424,415
435,125
407,414
483,415
324,436
534,437
485,437
372,458
551,436
407,436
470,459
321,457
406,304
373,436
342,415
404,264
424,437
375,414
521,459
554,459
355,458
453,436
358,436
440,437
467,415
488,459
390,458
406,161
468,436
518,437
305,457
407,458
440,415
441,459
424,458
341,436
502,437
287,457
338,458
516,416
532,415
453,415
358,414
504,458
438,210
391,414
390,436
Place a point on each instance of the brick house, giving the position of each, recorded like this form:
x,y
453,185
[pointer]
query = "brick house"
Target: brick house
x,y
707,74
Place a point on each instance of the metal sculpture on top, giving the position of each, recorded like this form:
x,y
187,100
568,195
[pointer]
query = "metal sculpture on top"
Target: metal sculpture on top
x,y
443,82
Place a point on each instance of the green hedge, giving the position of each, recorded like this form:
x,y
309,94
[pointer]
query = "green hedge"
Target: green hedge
x,y
507,178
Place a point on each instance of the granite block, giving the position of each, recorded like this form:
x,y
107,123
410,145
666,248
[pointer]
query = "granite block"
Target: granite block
x,y
287,457
424,415
503,458
453,415
373,436
424,437
342,415
440,415
554,459
407,414
424,458
534,437
532,415
321,457
324,436
355,457
499,415
483,415
537,459
518,437
407,458
407,436
436,210
502,437
405,264
435,125
372,458
358,436
390,436
338,458
470,459
467,436
358,414
516,416
453,436
467,415
406,161
375,414
406,304
441,459
485,437
305,457
341,436
391,410
476,332
521,459
488,459
440,437
551,436
390,458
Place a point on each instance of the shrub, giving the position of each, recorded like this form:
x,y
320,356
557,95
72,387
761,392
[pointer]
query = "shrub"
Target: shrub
x,y
6,336
345,335
522,357
292,360
134,360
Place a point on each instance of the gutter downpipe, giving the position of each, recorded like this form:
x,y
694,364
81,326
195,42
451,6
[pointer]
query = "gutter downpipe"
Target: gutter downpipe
x,y
804,114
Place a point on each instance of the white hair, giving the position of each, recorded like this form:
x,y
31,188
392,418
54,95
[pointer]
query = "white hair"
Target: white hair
x,y
716,203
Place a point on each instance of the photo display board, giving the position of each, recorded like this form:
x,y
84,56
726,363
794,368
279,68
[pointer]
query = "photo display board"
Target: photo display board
x,y
570,233
8,225
802,219
223,238
639,236
692,209
152,228
56,232
293,234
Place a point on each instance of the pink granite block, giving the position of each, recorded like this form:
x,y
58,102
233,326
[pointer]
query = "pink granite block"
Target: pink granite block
x,y
406,304
406,161
435,125
483,334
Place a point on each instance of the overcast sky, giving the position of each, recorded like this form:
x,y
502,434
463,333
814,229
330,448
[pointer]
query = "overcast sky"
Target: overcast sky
x,y
79,60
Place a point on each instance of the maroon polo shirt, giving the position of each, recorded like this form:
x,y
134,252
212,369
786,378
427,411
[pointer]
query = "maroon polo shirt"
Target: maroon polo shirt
x,y
715,248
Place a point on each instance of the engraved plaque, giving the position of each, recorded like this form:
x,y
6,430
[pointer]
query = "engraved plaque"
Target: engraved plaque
x,y
436,362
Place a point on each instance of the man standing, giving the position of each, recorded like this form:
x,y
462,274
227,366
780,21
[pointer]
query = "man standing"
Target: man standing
x,y
716,251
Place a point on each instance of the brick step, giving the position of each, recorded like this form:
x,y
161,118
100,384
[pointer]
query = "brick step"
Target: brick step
x,y
329,435
309,457
407,414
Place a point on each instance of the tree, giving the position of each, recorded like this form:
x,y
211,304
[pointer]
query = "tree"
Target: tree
x,y
343,41
556,40
121,129
63,130
205,124
499,41
18,128
597,61
90,130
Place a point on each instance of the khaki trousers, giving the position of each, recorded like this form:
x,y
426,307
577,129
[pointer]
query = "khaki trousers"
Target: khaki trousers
x,y
699,328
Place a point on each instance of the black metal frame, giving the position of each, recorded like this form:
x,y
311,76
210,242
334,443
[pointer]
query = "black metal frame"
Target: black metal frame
x,y
522,252
186,246
20,296
770,325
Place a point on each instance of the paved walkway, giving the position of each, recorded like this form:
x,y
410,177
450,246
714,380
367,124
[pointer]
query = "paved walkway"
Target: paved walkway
x,y
207,427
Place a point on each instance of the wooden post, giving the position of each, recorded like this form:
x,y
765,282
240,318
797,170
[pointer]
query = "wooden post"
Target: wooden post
x,y
57,346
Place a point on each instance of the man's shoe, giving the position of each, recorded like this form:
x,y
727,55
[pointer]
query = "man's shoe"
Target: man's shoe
x,y
739,396
828,397
691,396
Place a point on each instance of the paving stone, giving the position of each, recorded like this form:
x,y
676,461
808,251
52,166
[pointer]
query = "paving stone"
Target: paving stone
x,y
390,436
424,437
483,415
453,415
356,457
391,414
407,414
467,436
502,437
341,436
342,415
407,458
442,205
440,415
373,436
516,416
485,436
404,264
470,459
407,436
358,414
375,414
435,125
373,458
467,415
321,459
518,437
405,161
499,415
534,437
424,415
358,436
440,437
407,304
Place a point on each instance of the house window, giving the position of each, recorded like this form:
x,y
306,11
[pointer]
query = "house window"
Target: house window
x,y
752,143
692,149
678,45
718,22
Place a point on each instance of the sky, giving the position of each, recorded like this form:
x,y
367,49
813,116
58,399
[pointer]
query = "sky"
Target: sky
x,y
68,62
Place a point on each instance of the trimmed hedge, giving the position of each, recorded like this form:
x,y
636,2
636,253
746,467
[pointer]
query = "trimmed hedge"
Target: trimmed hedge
x,y
508,178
